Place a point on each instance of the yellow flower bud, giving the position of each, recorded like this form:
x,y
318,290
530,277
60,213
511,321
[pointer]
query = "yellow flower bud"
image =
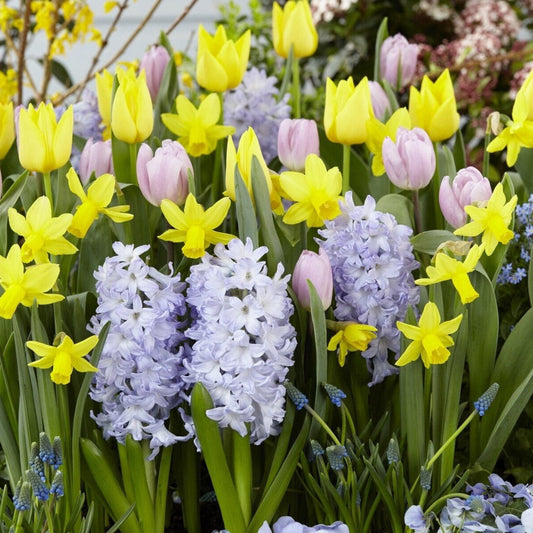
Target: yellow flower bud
x,y
293,26
221,62
44,143
433,108
104,90
7,131
132,114
347,111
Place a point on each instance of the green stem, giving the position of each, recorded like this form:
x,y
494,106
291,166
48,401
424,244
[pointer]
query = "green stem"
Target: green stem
x,y
321,421
296,88
242,473
416,210
486,155
162,489
128,233
48,189
442,499
435,184
346,151
133,163
49,520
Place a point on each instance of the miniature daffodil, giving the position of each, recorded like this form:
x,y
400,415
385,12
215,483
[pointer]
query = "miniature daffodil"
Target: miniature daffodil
x,y
64,358
194,226
43,234
351,337
431,338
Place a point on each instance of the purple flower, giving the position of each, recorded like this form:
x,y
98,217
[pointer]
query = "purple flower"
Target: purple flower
x,y
372,261
297,138
380,100
398,57
286,524
414,518
95,157
154,63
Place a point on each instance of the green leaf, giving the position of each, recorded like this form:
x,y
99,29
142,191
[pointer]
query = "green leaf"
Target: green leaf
x,y
381,35
428,241
246,219
9,199
399,206
213,451
459,154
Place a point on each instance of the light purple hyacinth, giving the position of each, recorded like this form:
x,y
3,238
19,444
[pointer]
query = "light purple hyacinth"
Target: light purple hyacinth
x,y
287,524
139,373
243,343
254,104
372,261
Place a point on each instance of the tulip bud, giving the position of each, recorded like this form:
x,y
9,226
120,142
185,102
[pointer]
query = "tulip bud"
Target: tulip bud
x,y
7,128
297,138
95,157
468,187
410,162
293,26
398,57
165,173
154,62
317,269
380,100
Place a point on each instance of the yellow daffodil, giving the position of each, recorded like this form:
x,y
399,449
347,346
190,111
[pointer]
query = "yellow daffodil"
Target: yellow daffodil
x,y
7,128
44,143
316,193
518,132
96,201
433,108
492,220
221,62
194,226
449,268
293,26
25,286
241,159
347,111
197,129
377,132
64,358
431,339
132,114
43,234
351,337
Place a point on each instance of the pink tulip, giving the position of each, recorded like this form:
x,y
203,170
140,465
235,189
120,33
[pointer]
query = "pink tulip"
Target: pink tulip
x,y
398,55
468,187
154,62
95,157
297,138
317,269
165,173
380,100
410,162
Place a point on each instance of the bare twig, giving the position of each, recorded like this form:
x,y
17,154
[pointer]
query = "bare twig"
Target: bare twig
x,y
181,17
22,50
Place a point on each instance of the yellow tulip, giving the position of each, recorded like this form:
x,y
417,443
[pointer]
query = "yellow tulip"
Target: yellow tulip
x,y
221,62
293,26
104,91
433,108
7,131
347,110
44,143
241,160
132,114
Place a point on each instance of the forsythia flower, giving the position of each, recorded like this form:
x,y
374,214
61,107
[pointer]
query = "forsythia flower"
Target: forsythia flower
x,y
351,337
316,193
44,143
8,85
448,268
93,203
25,287
433,108
492,220
64,358
221,62
194,226
431,338
132,114
43,234
197,129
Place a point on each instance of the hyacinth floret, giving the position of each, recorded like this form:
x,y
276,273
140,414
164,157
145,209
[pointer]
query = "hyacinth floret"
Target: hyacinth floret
x,y
58,452
372,261
335,394
242,342
336,454
316,448
22,496
393,452
485,400
139,378
38,485
296,396
254,103
57,488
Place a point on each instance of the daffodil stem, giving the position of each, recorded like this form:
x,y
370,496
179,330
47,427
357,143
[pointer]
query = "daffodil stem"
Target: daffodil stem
x,y
320,420
48,189
296,106
217,174
346,150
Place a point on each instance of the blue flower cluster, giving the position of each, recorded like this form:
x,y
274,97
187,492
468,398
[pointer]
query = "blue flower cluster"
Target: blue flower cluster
x,y
372,261
139,373
253,104
242,341
496,506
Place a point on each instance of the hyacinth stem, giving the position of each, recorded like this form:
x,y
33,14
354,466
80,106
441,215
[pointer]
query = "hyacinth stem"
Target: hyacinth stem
x,y
321,421
48,189
296,105
346,152
162,489
49,520
242,473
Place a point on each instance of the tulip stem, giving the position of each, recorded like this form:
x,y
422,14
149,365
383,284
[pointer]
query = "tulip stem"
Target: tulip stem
x,y
416,212
346,150
435,183
48,189
133,163
296,88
